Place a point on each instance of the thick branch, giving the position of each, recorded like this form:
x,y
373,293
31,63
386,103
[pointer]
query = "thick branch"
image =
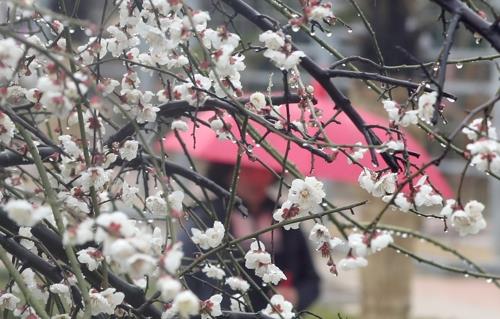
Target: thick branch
x,y
474,22
174,109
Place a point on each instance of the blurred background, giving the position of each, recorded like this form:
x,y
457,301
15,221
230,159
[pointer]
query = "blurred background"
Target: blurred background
x,y
394,286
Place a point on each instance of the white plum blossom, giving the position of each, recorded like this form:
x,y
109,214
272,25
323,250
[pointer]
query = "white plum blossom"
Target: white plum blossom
x,y
367,179
213,271
272,40
279,308
169,287
320,11
377,186
69,146
119,41
220,128
95,176
186,304
351,262
357,153
60,289
270,274
211,308
172,257
107,86
228,64
480,128
470,220
358,245
221,37
425,195
81,233
7,129
393,146
25,214
399,116
257,256
10,54
485,155
449,207
193,92
179,125
156,204
93,123
210,238
199,20
279,51
258,101
319,233
289,210
8,301
175,199
111,226
105,301
284,61
402,202
238,284
380,240
128,151
426,106
140,264
90,256
307,193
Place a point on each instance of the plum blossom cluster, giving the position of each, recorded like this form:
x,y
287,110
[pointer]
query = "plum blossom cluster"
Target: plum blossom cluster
x,y
399,116
210,238
158,204
484,147
385,186
279,308
258,259
7,129
362,245
316,10
279,50
10,55
358,247
467,220
304,197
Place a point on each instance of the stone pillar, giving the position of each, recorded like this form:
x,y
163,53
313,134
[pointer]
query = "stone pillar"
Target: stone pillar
x,y
386,281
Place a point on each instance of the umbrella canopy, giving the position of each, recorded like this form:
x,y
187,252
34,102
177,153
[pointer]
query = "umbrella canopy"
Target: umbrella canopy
x,y
205,145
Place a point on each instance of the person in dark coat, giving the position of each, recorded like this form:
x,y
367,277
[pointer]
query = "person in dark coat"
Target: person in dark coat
x,y
288,247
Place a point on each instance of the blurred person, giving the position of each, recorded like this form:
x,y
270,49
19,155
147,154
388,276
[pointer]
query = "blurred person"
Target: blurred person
x,y
289,247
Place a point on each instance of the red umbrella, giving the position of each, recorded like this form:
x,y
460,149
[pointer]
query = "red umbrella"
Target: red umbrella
x,y
207,146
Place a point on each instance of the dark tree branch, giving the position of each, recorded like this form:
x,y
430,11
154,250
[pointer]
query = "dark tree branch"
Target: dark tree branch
x,y
341,101
450,34
474,22
383,79
174,109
